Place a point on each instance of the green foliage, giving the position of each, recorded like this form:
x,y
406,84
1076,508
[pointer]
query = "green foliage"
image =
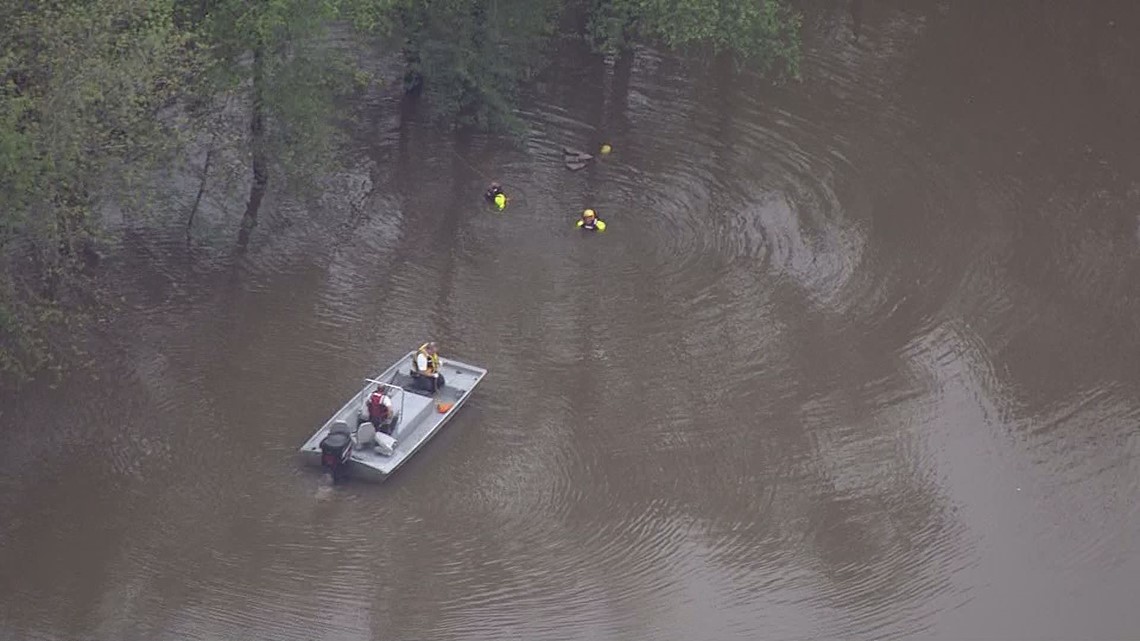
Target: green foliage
x,y
98,96
302,75
763,34
472,55
369,16
82,88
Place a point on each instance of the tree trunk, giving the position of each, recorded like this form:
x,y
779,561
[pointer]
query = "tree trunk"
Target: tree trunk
x,y
201,190
257,143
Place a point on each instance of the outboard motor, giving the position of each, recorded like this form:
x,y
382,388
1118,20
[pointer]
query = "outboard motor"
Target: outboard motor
x,y
336,448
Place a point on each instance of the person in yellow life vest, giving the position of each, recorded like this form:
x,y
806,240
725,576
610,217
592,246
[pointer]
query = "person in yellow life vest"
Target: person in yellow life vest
x,y
589,220
426,370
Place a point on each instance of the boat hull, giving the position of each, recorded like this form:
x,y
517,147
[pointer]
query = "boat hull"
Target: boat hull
x,y
421,416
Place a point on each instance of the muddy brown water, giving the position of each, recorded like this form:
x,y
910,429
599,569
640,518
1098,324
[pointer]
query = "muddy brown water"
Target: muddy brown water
x,y
856,358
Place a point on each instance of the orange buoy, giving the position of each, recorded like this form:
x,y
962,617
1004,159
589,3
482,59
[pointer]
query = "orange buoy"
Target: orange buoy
x,y
442,408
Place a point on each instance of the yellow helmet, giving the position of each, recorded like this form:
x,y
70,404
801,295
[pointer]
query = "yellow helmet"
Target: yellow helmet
x,y
589,213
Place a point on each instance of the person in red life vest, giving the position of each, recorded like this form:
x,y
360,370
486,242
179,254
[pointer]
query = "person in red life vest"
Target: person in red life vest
x,y
380,412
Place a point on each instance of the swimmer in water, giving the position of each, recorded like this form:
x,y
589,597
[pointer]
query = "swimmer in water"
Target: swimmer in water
x,y
494,194
589,220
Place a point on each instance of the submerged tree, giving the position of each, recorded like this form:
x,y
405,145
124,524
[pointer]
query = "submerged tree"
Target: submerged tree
x,y
276,55
762,34
82,94
470,56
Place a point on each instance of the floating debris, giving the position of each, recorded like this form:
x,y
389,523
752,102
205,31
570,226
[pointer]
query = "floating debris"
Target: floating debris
x,y
575,159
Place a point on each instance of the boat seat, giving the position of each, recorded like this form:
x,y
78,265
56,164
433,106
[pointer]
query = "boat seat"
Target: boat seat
x,y
340,426
365,436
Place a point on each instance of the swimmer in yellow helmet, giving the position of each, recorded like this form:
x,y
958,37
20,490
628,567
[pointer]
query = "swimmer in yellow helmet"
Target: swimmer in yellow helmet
x,y
589,220
494,194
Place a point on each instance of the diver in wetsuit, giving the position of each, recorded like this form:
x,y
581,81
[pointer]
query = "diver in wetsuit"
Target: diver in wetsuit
x,y
495,195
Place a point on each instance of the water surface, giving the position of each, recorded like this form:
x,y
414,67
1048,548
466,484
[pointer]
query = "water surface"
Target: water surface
x,y
854,359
